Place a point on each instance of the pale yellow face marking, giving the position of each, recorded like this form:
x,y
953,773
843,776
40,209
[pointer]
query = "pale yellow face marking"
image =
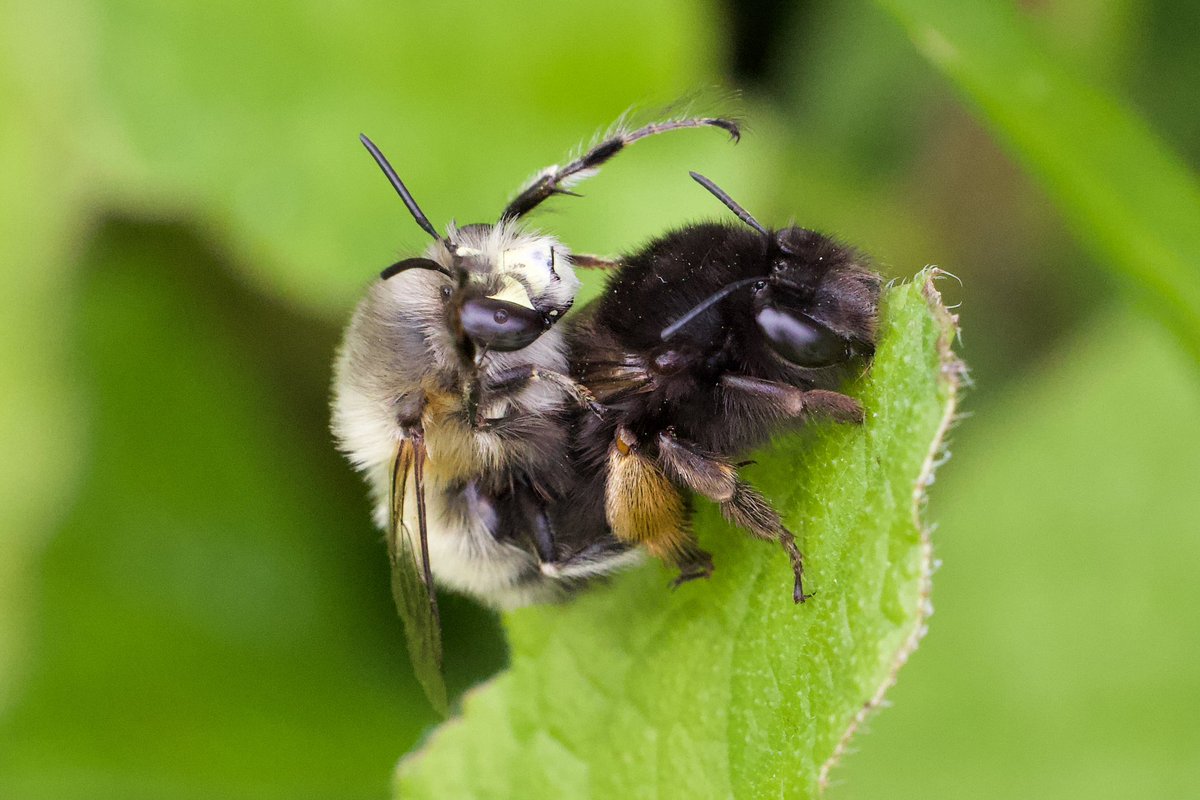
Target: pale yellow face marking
x,y
512,291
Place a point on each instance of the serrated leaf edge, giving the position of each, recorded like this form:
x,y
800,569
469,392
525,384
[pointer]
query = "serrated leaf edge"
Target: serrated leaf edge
x,y
953,376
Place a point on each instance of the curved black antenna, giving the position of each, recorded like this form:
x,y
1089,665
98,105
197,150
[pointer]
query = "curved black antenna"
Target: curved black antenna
x,y
399,186
414,263
729,202
706,304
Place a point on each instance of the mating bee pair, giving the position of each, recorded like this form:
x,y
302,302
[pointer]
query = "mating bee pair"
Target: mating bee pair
x,y
544,454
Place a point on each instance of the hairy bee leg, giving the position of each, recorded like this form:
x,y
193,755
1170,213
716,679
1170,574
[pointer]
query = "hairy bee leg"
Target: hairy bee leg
x,y
741,504
513,380
552,180
595,559
788,402
541,531
752,512
593,262
644,508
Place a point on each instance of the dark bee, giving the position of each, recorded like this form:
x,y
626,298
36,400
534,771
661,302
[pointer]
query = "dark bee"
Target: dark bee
x,y
453,370
704,344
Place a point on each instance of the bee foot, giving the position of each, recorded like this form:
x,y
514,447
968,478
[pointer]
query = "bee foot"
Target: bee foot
x,y
693,572
798,595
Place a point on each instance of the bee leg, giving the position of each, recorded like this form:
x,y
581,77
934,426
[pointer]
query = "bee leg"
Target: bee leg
x,y
593,262
558,180
643,507
511,381
693,563
751,511
536,521
595,559
781,401
717,479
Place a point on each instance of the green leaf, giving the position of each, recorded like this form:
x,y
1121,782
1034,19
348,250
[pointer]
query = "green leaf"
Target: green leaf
x,y
248,121
1129,200
725,688
1066,639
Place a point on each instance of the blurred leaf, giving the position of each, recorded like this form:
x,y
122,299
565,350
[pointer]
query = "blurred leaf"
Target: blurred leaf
x,y
206,629
726,687
1166,71
1066,638
1129,200
859,95
249,116
39,419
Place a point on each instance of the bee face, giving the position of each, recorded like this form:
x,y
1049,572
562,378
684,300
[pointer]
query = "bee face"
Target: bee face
x,y
505,264
816,305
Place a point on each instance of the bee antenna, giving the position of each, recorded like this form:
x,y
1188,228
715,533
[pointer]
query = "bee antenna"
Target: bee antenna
x,y
414,263
705,304
399,186
729,202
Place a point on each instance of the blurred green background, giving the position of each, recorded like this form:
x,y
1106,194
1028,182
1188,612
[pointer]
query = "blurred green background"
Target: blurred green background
x,y
192,600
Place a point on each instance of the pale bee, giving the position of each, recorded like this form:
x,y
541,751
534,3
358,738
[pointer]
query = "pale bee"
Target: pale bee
x,y
453,370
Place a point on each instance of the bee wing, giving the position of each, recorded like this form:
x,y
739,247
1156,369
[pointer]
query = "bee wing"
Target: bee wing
x,y
412,581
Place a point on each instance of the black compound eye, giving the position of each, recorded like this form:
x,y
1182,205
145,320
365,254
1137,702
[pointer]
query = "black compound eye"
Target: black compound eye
x,y
446,292
801,340
500,325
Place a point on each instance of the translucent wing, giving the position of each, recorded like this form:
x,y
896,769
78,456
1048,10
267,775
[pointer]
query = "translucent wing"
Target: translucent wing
x,y
412,582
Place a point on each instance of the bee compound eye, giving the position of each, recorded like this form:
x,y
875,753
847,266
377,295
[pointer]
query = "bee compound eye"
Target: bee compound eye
x,y
759,286
500,325
800,339
446,292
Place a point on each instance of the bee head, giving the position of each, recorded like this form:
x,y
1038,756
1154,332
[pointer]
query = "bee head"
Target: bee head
x,y
815,305
820,303
504,289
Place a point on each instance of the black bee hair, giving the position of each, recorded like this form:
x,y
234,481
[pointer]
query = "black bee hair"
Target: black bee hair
x,y
707,341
